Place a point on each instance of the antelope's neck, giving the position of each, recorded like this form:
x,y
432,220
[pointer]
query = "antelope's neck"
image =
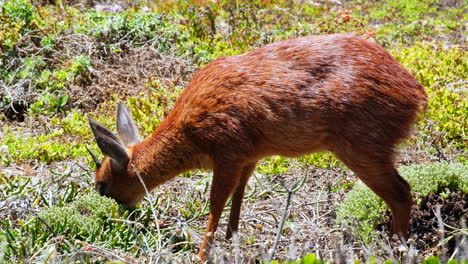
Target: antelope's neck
x,y
163,156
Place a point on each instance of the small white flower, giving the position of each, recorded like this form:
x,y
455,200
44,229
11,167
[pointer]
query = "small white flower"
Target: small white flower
x,y
4,149
109,8
115,8
402,248
413,252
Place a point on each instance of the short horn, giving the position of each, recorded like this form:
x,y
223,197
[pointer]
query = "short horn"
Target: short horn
x,y
96,160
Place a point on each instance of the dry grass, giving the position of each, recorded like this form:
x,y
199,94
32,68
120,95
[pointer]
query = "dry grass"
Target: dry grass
x,y
181,207
128,74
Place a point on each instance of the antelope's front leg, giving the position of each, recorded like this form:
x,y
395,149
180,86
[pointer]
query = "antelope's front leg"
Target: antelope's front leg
x,y
225,180
237,198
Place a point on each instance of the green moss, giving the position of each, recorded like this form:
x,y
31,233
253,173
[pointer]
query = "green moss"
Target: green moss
x,y
363,206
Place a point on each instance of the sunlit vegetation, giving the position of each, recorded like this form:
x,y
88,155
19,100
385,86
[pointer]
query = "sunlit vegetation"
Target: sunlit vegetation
x,y
63,60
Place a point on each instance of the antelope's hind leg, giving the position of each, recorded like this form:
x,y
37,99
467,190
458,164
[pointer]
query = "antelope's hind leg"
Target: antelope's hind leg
x,y
378,172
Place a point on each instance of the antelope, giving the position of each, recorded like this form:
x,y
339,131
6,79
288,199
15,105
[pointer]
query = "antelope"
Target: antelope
x,y
338,93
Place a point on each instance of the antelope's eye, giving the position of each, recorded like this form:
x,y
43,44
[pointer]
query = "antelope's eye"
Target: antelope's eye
x,y
102,188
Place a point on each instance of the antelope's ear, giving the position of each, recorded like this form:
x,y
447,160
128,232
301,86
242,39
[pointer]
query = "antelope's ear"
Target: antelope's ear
x,y
109,143
126,127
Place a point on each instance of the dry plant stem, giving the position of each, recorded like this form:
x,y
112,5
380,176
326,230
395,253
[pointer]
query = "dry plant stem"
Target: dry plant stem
x,y
3,247
280,228
235,242
443,256
462,248
51,241
285,212
99,251
340,257
151,205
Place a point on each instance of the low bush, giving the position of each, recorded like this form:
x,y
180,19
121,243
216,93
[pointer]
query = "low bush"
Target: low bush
x,y
443,72
84,217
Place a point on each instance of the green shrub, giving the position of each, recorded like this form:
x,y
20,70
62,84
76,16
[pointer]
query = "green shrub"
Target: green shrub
x,y
84,216
408,21
436,260
434,178
129,28
281,165
439,69
362,205
64,138
46,148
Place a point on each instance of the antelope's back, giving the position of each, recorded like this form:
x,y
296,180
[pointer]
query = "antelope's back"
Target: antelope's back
x,y
294,96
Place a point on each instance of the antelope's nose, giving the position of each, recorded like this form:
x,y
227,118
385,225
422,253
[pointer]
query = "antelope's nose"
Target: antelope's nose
x,y
102,188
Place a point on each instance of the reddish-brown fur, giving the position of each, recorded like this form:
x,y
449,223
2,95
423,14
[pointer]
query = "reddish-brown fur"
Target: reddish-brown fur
x,y
337,93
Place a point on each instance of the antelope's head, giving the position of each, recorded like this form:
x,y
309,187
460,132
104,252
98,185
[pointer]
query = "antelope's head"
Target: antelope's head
x,y
114,177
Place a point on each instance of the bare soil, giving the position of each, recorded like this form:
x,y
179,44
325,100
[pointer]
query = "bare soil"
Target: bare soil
x,y
425,227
